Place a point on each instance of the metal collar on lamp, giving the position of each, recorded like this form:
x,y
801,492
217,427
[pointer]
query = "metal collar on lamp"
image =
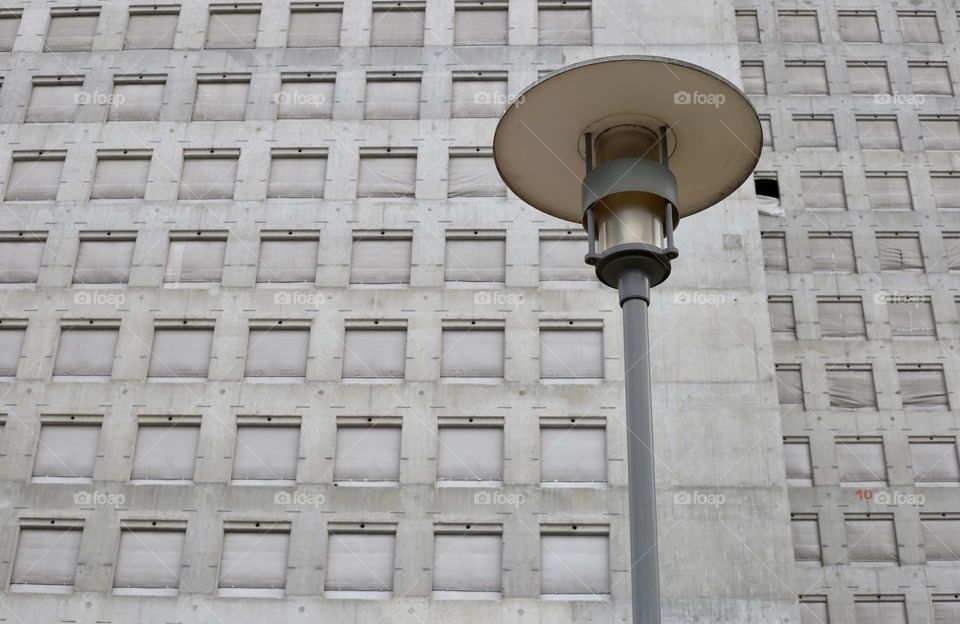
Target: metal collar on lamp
x,y
627,146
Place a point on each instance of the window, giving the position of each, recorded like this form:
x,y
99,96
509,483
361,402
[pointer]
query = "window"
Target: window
x,y
935,460
233,26
899,251
475,256
195,257
472,173
86,349
799,26
375,350
748,27
859,26
815,131
35,176
368,451
151,27
104,257
951,244
9,25
783,324
181,351
930,77
806,538
841,317
470,450
919,26
267,450
832,251
306,96
923,386
940,132
121,174
806,77
868,77
467,561
387,173
288,257
209,174
399,23
565,22
66,449
946,189
480,22
851,386
47,555
254,559
774,251
166,449
946,608
392,95
799,466
574,561
21,256
861,462
54,99
754,78
571,350
71,29
221,97
889,191
12,333
871,538
149,558
911,317
941,536
299,172
360,560
277,349
472,349
880,610
789,384
823,190
478,94
381,258
314,24
573,450
767,128
136,98
561,257
878,132
813,610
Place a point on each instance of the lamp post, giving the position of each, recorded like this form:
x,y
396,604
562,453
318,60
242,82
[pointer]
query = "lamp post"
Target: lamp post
x,y
627,146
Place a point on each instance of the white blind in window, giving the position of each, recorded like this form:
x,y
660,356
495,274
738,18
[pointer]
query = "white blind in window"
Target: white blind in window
x,y
277,353
798,465
34,180
254,560
567,354
561,259
923,387
392,99
859,26
367,454
472,353
397,26
360,562
165,452
782,320
841,319
220,101
815,132
880,612
68,33
297,176
889,192
774,253
11,346
470,453
930,79
149,559
946,611
20,261
911,319
103,262
478,98
195,260
46,557
67,451
823,191
919,28
806,79
799,27
288,261
748,28
935,461
474,176
305,99
575,564
946,191
861,463
266,453
151,31
832,253
136,102
871,540
480,26
387,176
467,563
868,77
376,261
233,29
476,260
314,29
877,133
951,246
120,178
53,103
576,454
851,388
754,78
789,386
806,539
941,537
9,25
86,352
940,134
561,26
180,353
813,613
900,253
208,178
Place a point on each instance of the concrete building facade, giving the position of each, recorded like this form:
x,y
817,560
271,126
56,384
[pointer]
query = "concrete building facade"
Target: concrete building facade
x,y
276,344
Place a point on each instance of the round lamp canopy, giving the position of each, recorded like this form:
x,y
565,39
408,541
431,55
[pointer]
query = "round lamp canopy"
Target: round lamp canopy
x,y
713,133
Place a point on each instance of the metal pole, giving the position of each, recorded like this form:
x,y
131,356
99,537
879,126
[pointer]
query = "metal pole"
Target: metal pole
x,y
634,290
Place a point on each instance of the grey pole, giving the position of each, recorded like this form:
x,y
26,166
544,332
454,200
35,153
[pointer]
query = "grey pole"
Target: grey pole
x,y
634,290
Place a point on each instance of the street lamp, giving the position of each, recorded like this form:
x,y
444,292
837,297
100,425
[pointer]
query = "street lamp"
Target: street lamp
x,y
627,146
